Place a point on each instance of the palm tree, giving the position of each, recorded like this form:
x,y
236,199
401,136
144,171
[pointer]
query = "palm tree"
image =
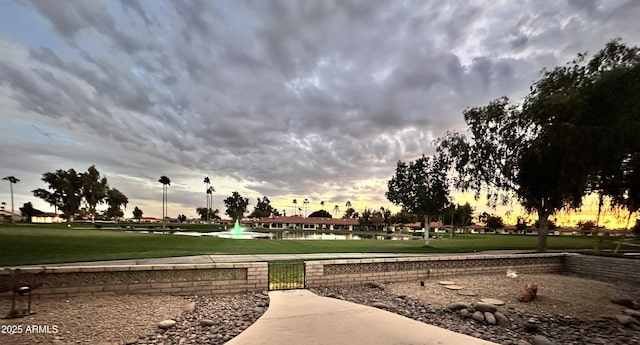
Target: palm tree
x,y
348,204
322,204
165,183
207,182
305,203
12,180
210,191
295,202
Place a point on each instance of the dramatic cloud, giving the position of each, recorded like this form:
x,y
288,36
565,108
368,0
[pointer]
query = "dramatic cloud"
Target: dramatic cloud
x,y
289,99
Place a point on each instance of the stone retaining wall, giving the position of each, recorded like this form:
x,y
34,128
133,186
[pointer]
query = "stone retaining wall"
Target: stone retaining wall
x,y
207,279
359,271
604,268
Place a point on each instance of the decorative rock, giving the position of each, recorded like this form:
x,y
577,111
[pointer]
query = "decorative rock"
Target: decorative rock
x,y
490,318
189,307
465,313
530,326
625,302
164,324
501,320
478,316
376,285
626,320
446,282
529,294
523,342
492,301
467,293
457,305
381,305
454,287
634,313
541,340
206,323
483,307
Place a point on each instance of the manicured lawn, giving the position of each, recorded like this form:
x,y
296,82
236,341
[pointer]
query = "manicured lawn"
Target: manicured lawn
x,y
26,244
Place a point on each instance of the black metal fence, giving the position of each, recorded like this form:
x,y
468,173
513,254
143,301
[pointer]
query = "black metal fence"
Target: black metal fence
x,y
286,275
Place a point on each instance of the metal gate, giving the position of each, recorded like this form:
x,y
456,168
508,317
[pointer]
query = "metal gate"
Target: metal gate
x,y
286,275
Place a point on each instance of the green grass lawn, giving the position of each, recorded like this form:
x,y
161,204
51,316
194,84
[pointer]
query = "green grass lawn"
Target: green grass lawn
x,y
27,244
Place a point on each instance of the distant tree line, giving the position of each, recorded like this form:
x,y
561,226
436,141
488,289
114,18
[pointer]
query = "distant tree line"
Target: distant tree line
x,y
79,193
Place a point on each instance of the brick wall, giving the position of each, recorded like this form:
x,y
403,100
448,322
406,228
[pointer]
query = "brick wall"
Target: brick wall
x,y
219,278
604,268
360,271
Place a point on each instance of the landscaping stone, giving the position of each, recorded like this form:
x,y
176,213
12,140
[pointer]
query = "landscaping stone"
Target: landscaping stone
x,y
501,319
189,307
484,307
492,301
634,313
491,319
165,324
623,301
531,326
478,316
626,320
381,305
206,323
541,340
457,305
454,287
465,313
446,282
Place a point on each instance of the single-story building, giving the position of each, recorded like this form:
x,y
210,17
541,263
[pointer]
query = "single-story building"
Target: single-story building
x,y
297,222
47,217
7,216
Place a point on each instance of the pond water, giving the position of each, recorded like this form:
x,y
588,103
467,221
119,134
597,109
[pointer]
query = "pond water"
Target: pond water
x,y
284,235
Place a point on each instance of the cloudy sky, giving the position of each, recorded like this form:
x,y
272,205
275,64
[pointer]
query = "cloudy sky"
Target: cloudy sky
x,y
289,99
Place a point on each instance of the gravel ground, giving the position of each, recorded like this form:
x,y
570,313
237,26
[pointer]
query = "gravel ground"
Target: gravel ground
x,y
133,320
568,310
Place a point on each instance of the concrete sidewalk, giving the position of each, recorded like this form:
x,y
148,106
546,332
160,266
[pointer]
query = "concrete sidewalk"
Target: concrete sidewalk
x,y
301,317
226,258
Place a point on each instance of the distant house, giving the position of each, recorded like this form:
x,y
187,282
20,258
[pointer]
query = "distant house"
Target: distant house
x,y
47,218
297,222
7,216
147,220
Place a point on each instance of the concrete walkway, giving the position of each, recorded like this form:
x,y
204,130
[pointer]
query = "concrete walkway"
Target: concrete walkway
x,y
301,317
208,259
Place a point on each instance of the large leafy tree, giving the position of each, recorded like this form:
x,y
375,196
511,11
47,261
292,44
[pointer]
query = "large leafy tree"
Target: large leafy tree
x,y
350,212
137,213
568,137
115,199
207,215
421,187
320,214
263,208
166,182
94,189
236,206
65,191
